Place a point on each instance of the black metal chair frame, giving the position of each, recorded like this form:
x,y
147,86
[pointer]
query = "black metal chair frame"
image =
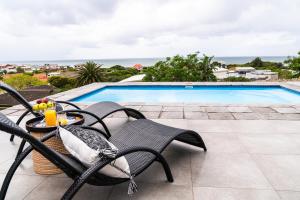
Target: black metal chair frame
x,y
89,175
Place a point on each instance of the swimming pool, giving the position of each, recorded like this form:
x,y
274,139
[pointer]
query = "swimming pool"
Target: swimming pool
x,y
193,94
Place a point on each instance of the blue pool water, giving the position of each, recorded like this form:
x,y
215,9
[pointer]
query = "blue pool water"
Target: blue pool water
x,y
195,94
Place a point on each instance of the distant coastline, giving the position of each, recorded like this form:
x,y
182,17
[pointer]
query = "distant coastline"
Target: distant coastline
x,y
129,62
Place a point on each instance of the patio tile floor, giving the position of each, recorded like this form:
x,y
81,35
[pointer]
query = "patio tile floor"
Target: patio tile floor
x,y
246,159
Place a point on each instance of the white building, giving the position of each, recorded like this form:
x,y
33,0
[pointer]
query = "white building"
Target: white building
x,y
247,72
221,73
27,69
53,74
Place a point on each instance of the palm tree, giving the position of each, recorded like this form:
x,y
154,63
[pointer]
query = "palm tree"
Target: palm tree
x,y
89,73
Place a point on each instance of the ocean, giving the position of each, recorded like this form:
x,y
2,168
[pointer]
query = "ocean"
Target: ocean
x,y
128,62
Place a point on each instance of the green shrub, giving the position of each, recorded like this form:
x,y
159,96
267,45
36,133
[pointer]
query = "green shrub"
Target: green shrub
x,y
236,79
182,68
285,74
20,69
294,63
62,82
118,73
21,81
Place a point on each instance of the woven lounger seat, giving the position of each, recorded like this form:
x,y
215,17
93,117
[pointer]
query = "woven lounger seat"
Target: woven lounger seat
x,y
140,141
105,108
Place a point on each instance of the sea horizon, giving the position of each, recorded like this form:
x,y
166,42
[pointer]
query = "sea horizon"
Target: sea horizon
x,y
128,62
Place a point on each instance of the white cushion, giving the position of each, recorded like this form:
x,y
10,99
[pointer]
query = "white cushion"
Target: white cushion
x,y
86,146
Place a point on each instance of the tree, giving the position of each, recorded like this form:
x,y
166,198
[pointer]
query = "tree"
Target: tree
x,y
20,70
257,63
89,73
180,68
294,63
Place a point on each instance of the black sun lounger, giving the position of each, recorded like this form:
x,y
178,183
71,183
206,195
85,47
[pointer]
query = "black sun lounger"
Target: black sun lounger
x,y
141,142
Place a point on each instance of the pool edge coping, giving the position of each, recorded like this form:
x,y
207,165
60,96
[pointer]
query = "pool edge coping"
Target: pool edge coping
x,y
77,92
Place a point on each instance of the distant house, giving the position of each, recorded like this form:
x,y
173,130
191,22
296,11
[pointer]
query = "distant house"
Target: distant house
x,y
244,70
53,74
247,72
27,69
138,67
11,68
221,73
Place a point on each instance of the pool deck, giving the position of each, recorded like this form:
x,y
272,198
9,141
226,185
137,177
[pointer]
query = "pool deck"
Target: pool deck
x,y
195,111
248,158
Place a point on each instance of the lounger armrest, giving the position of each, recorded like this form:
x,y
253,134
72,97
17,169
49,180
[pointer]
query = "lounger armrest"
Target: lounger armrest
x,y
42,139
82,179
68,103
22,116
93,115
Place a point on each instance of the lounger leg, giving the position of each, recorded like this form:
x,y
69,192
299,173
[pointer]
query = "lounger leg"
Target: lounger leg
x,y
21,147
12,171
167,169
12,138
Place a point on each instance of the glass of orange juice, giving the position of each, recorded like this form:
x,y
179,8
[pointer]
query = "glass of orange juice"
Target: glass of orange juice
x,y
50,117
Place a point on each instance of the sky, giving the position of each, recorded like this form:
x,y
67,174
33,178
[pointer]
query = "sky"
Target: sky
x,y
99,29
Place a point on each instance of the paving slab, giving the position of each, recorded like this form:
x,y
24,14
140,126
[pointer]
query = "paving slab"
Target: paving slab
x,y
209,193
151,115
289,195
272,116
17,113
216,109
227,170
282,171
171,115
173,108
223,143
287,110
151,108
136,107
26,168
8,111
58,188
271,143
179,160
220,116
246,116
194,109
240,109
262,109
19,188
291,116
195,115
159,190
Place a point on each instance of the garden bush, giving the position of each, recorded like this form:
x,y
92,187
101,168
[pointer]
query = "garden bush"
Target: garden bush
x,y
21,81
236,79
63,83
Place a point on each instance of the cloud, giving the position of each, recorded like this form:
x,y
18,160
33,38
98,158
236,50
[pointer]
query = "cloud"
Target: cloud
x,y
68,29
